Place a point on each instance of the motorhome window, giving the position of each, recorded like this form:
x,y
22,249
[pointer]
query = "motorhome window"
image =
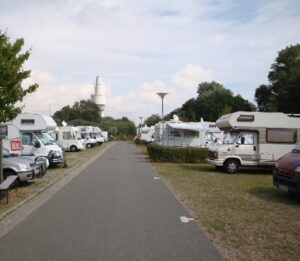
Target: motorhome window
x,y
174,133
67,135
188,134
209,136
230,137
281,135
247,118
83,135
27,121
77,135
246,139
45,138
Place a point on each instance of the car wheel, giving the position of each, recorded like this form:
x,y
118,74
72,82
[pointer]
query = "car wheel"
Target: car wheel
x,y
232,166
73,148
9,172
88,146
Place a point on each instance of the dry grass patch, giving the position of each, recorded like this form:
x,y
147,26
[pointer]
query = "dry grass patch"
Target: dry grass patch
x,y
27,189
244,215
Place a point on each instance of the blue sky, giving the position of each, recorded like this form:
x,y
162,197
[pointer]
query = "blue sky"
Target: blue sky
x,y
142,47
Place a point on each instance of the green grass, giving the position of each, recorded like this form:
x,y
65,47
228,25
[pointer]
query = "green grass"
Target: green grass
x,y
243,214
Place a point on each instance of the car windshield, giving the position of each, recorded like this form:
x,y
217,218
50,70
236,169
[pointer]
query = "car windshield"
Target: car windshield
x,y
230,137
45,138
296,149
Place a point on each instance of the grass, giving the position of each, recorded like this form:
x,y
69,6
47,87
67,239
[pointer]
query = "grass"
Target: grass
x,y
243,214
33,187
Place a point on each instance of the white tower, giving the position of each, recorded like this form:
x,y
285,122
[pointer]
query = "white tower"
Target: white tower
x,y
98,97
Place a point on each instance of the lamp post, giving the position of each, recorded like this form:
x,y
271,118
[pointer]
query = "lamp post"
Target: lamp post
x,y
162,95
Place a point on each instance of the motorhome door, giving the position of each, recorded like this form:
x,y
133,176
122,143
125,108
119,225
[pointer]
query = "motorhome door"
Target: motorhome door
x,y
246,146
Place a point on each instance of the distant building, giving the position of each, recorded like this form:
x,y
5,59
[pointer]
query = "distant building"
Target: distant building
x,y
98,97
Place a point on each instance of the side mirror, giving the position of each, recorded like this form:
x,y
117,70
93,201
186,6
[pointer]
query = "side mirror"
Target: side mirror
x,y
37,144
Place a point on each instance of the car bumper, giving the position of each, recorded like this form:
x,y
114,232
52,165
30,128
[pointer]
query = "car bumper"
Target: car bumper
x,y
25,175
215,162
286,182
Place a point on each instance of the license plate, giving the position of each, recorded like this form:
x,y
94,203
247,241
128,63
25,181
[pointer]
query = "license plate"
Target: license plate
x,y
283,188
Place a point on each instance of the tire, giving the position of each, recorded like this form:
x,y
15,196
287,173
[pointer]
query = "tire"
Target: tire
x,y
73,148
9,172
232,166
88,146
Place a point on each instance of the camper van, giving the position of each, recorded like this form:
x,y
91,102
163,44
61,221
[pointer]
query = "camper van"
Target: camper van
x,y
69,138
86,133
97,134
33,129
146,133
254,139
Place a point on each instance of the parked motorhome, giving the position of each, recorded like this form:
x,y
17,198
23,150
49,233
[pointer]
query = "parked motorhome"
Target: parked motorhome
x,y
87,140
33,129
97,135
187,134
146,133
69,138
254,139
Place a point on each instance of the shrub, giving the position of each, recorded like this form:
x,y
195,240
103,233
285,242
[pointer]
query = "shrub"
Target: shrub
x,y
160,153
138,141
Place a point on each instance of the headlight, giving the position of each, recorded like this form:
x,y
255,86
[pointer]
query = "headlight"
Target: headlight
x,y
297,169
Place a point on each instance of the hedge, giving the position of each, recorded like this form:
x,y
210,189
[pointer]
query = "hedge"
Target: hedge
x,y
158,153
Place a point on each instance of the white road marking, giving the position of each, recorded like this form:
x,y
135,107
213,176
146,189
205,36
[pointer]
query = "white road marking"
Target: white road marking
x,y
185,219
156,178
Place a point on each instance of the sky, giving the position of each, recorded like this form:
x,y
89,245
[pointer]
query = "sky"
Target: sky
x,y
143,47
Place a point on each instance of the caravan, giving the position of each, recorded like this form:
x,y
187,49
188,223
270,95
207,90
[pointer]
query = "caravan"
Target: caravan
x,y
32,129
254,139
187,134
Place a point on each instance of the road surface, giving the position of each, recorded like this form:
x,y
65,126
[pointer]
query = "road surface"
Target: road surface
x,y
117,208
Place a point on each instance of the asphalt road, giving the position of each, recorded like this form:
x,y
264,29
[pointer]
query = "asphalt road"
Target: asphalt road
x,y
115,209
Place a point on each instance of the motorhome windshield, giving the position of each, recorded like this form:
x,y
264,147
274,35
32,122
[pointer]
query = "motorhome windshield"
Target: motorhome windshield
x,y
45,138
230,137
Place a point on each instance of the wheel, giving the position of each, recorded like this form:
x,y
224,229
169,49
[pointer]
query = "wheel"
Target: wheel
x,y
8,172
88,146
232,166
73,148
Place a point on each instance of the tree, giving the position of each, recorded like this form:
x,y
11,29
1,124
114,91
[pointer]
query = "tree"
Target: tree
x,y
12,75
205,88
83,110
152,120
283,92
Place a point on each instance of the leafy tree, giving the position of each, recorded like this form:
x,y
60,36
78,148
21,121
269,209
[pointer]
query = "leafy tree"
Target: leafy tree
x,y
212,102
152,120
83,110
283,92
12,75
206,88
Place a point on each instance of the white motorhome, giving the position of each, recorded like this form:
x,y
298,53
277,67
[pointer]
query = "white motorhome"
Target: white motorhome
x,y
187,134
33,129
254,139
146,133
86,138
97,135
69,138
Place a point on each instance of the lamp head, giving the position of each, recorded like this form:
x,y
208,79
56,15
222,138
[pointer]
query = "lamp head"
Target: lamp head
x,y
162,94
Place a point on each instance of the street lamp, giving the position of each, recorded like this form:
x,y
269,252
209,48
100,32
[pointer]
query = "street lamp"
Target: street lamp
x,y
162,95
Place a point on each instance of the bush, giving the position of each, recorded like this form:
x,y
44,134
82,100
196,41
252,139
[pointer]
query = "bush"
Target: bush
x,y
160,153
138,141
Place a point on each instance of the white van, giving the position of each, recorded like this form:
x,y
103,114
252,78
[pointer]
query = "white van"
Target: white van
x,y
97,134
33,130
254,139
86,138
69,138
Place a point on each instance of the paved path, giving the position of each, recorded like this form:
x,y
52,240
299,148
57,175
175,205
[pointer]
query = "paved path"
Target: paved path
x,y
114,209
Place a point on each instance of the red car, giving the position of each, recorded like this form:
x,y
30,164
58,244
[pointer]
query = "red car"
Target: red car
x,y
286,175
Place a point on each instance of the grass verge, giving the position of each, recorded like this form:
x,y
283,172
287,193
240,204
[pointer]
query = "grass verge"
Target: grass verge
x,y
243,214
